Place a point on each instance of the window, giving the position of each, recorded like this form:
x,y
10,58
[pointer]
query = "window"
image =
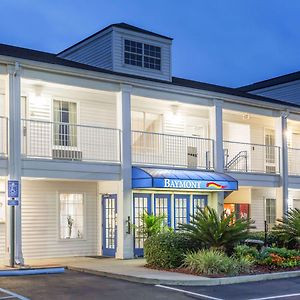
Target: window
x,y
71,216
142,55
271,211
65,120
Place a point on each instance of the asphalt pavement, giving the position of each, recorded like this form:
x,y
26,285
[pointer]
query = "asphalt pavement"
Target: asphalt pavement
x,y
76,285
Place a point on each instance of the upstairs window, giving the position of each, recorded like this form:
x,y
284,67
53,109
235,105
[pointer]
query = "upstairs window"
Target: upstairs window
x,y
142,55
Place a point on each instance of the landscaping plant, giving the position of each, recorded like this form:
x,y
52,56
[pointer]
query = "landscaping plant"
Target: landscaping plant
x,y
216,262
167,249
216,232
288,229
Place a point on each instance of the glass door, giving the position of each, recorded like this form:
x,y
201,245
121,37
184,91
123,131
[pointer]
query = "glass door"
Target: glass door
x,y
141,204
109,214
181,209
162,207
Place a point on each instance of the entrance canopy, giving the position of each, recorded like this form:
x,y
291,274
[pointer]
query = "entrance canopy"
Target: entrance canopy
x,y
182,179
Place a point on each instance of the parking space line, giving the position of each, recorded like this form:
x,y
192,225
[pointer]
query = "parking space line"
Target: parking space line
x,y
7,297
277,297
187,292
14,295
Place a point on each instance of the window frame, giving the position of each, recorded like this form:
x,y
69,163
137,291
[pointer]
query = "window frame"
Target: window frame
x,y
143,54
266,215
61,147
83,238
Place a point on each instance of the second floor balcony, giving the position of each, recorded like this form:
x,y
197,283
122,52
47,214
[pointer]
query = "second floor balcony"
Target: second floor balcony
x,y
149,148
65,141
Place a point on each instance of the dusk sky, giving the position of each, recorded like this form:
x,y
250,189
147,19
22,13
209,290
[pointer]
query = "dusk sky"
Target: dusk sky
x,y
225,42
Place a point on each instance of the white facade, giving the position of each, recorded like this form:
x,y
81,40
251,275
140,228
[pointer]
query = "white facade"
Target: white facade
x,y
71,135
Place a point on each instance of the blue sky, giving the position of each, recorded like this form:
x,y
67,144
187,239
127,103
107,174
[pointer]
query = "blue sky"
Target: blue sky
x,y
225,42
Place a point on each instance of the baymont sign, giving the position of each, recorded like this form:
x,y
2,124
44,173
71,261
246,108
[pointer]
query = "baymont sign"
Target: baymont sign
x,y
182,184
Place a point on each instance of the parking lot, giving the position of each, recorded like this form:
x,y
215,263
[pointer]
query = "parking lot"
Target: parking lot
x,y
75,285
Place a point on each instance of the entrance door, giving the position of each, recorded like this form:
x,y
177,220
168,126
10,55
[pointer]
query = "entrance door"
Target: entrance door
x,y
109,242
141,204
162,207
270,160
181,209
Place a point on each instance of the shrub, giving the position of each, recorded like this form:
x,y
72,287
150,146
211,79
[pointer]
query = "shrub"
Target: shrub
x,y
288,228
214,262
272,237
166,250
242,251
214,231
280,257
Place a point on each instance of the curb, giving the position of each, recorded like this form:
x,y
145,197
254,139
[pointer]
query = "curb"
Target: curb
x,y
201,282
33,271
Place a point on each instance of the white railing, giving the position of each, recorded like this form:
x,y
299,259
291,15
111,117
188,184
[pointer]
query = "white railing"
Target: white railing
x,y
3,136
172,150
294,161
246,157
63,141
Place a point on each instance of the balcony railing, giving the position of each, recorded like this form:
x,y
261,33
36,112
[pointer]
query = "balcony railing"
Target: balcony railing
x,y
246,157
172,150
3,136
294,161
63,141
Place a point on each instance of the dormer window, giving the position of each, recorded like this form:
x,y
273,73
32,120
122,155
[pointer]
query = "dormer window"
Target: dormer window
x,y
142,55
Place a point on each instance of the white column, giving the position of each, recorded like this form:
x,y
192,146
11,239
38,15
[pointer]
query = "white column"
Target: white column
x,y
281,141
216,133
124,239
14,148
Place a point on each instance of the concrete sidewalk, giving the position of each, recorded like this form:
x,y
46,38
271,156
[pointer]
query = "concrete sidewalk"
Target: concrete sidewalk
x,y
134,270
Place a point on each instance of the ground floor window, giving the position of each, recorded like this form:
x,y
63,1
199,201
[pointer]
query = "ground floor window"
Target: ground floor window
x,y
271,211
241,210
71,216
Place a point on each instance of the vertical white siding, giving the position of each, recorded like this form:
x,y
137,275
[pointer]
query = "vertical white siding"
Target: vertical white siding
x,y
3,224
96,52
40,219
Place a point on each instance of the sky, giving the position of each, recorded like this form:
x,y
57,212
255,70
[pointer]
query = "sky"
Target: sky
x,y
225,42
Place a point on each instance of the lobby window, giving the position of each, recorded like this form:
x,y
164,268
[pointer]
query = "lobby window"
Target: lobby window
x,y
65,120
271,211
142,55
71,216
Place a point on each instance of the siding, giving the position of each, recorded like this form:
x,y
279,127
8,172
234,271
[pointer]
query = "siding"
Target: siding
x,y
97,52
257,205
289,92
40,217
2,225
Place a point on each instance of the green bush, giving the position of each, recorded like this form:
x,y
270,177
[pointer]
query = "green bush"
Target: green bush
x,y
242,251
272,237
214,231
214,262
288,228
166,250
280,257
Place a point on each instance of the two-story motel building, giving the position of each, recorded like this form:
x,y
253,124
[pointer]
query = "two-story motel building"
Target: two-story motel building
x,y
101,132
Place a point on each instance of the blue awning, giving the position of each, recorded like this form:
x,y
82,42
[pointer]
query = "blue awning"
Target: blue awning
x,y
182,179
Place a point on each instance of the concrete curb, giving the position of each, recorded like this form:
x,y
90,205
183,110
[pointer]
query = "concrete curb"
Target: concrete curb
x,y
204,281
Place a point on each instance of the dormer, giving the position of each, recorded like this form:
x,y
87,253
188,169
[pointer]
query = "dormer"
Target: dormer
x,y
127,49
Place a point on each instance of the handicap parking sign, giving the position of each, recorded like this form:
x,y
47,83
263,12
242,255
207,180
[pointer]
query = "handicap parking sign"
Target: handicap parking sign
x,y
13,189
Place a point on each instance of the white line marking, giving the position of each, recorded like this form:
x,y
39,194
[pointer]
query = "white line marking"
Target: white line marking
x,y
7,297
13,294
188,292
277,297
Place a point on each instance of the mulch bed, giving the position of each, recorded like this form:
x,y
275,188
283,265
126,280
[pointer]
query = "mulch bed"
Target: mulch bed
x,y
257,269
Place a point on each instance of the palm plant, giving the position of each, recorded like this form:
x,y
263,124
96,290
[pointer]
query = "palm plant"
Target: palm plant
x,y
151,225
288,229
217,232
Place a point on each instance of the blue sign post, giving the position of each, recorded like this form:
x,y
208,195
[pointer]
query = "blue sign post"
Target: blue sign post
x,y
13,192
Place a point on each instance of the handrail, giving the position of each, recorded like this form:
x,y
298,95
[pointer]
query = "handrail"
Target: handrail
x,y
235,159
